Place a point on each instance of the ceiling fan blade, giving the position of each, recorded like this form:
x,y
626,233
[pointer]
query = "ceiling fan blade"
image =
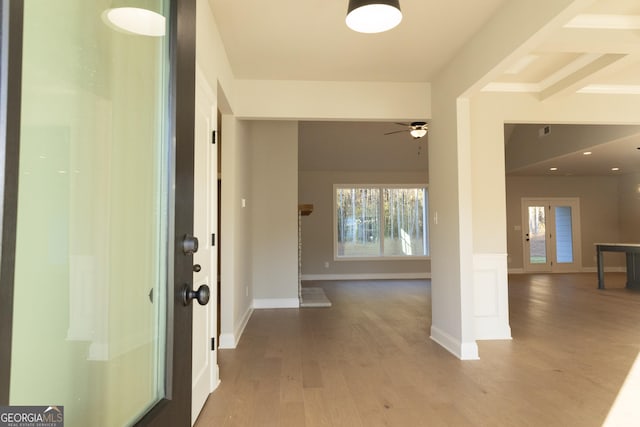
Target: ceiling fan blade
x,y
402,124
397,131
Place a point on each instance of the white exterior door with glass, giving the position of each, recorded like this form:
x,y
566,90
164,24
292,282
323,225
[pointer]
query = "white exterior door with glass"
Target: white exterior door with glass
x,y
551,234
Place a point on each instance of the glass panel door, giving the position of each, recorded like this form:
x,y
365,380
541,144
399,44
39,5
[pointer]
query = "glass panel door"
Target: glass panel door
x,y
94,213
551,240
566,242
536,253
564,235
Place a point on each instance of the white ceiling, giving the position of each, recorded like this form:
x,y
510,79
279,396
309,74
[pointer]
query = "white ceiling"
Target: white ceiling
x,y
622,154
588,157
308,39
596,50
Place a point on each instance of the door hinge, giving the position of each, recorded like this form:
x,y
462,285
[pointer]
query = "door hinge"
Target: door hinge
x,y
213,344
213,136
213,239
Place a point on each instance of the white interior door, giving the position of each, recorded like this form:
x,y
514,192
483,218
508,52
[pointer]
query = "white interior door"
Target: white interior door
x,y
205,377
551,234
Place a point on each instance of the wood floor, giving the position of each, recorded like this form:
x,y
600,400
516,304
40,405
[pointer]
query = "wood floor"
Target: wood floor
x,y
368,360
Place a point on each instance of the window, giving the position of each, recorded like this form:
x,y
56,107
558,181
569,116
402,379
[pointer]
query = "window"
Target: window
x,y
374,221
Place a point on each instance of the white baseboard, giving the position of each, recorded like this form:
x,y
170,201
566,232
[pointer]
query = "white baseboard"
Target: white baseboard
x,y
582,270
368,276
606,269
215,378
469,351
230,341
262,303
463,351
227,341
492,329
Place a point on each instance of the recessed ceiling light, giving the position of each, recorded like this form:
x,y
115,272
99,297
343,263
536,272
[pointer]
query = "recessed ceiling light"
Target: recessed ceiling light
x,y
587,153
553,169
615,169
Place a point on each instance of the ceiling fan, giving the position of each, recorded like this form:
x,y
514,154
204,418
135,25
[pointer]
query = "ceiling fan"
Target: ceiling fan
x,y
416,129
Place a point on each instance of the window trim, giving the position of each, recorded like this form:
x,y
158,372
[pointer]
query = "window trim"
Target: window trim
x,y
381,257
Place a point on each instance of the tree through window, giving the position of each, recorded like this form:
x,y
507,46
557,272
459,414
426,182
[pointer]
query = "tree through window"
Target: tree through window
x,y
364,214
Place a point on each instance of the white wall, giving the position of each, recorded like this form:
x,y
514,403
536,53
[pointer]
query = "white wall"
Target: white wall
x,y
314,100
452,323
210,52
273,204
629,207
488,181
235,235
235,238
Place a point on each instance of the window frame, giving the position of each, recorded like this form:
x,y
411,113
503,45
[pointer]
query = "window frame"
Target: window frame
x,y
382,256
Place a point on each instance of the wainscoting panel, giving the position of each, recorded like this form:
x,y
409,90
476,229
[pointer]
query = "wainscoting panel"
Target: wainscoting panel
x,y
491,303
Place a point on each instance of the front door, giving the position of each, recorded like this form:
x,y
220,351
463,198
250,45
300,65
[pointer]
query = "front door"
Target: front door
x,y
100,250
204,363
551,235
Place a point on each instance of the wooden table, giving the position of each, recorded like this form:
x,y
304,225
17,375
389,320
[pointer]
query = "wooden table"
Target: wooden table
x,y
632,251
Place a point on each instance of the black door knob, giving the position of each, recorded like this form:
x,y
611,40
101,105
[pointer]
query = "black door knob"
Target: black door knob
x,y
197,268
201,295
189,244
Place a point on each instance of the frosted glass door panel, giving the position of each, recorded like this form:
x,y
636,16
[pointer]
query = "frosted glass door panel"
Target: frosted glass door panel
x,y
537,235
564,234
91,251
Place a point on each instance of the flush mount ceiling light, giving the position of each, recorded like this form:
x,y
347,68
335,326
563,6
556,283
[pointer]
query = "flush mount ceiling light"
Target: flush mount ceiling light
x,y
134,20
373,16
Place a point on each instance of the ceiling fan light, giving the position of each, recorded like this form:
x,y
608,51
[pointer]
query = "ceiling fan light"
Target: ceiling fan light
x,y
373,16
418,133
